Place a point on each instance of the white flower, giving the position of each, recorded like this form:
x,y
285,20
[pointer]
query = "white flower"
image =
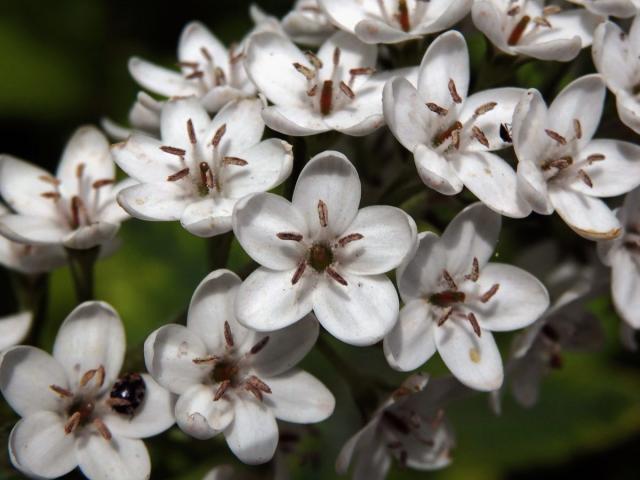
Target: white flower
x,y
337,89
615,8
228,472
14,329
450,134
623,256
617,57
409,427
201,167
528,27
391,21
321,253
307,24
66,401
454,299
561,168
76,208
232,380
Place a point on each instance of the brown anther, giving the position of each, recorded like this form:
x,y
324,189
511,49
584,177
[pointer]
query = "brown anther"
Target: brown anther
x,y
449,279
220,77
513,11
234,161
259,384
205,360
455,139
403,15
51,195
344,88
336,276
306,71
312,91
352,237
361,71
222,388
298,273
475,271
518,31
486,296
205,53
551,10
542,22
584,176
49,179
474,324
479,136
80,170
191,132
577,128
217,137
89,374
187,64
103,182
102,428
173,150
254,390
559,163
63,392
206,175
118,402
453,91
259,346
447,313
596,157
228,336
336,56
194,75
487,107
323,213
326,97
555,136
233,59
76,207
100,375
178,175
72,423
313,59
435,108
296,237
448,133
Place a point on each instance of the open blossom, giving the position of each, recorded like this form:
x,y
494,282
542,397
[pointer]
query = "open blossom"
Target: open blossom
x,y
321,253
77,208
232,380
452,134
622,254
72,413
200,167
528,27
454,298
307,24
392,21
560,166
614,8
337,89
617,57
409,427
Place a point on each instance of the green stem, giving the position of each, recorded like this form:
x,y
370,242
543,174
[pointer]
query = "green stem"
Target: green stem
x,y
33,295
81,265
218,249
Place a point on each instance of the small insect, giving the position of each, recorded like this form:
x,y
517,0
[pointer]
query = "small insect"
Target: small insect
x,y
505,132
127,393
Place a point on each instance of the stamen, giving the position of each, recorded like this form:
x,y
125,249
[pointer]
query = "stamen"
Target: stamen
x,y
298,273
559,163
312,91
352,237
187,64
486,296
72,423
306,71
403,15
217,137
80,170
336,276
449,132
596,157
542,22
102,428
584,176
192,133
228,336
474,324
234,161
556,136
551,10
178,175
204,360
518,30
323,213
48,179
206,175
361,71
51,195
487,107
103,183
118,402
63,392
326,97
221,390
313,59
259,346
89,374
475,271
449,279
453,91
577,128
455,139
513,11
206,54
259,384
220,77
76,207
336,56
447,313
253,389
173,150
344,88
435,108
479,136
296,237
194,75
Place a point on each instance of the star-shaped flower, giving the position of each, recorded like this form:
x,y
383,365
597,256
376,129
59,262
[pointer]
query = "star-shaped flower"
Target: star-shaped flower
x,y
232,380
451,134
321,253
77,208
560,166
454,298
393,21
71,404
201,167
528,27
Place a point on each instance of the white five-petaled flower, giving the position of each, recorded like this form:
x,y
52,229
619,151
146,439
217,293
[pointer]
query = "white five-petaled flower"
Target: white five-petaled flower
x,y
69,405
528,27
307,24
614,8
451,134
409,427
454,299
201,167
321,253
232,380
77,208
393,21
617,57
560,166
337,89
623,256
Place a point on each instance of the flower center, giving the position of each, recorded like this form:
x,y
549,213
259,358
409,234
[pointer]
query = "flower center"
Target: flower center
x,y
224,371
447,298
518,20
320,257
206,74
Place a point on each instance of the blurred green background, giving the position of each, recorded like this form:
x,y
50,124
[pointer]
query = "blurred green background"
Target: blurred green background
x,y
63,64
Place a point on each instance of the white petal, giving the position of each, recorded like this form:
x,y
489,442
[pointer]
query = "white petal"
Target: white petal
x,y
625,287
25,376
194,38
208,217
520,300
411,342
489,20
198,415
344,13
570,22
267,300
32,230
91,235
387,240
21,186
216,98
253,435
419,275
30,259
359,441
493,181
89,147
473,233
39,447
443,14
14,328
526,380
436,171
154,415
533,187
110,211
374,31
118,459
362,115
298,397
155,201
529,122
589,217
243,126
353,54
160,80
560,50
373,461
141,158
475,361
611,56
628,110
174,118
169,353
294,120
359,313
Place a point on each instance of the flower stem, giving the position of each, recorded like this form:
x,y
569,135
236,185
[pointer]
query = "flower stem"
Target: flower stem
x,y
299,161
33,295
218,248
81,265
